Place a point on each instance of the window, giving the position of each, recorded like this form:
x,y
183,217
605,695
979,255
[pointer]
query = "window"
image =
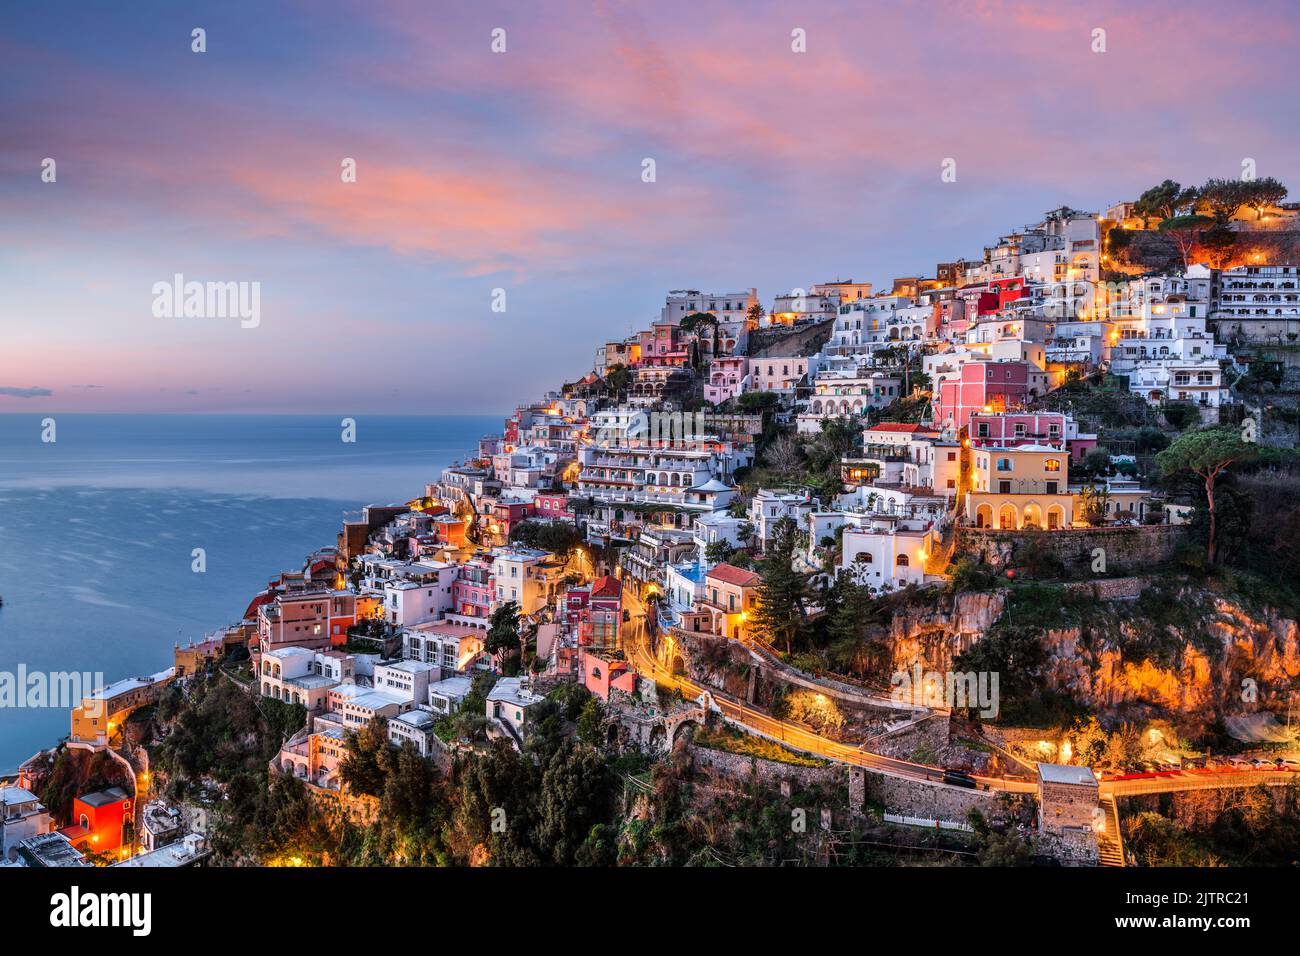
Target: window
x,y
1004,464
1052,464
903,561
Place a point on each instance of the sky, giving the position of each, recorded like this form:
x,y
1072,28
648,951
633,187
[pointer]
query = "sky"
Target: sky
x,y
522,171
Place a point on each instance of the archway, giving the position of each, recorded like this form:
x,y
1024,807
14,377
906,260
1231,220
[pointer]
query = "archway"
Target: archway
x,y
658,738
1033,517
1007,517
984,516
1055,517
679,666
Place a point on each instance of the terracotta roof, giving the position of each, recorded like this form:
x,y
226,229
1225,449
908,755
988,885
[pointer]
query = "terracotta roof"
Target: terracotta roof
x,y
897,427
730,574
608,586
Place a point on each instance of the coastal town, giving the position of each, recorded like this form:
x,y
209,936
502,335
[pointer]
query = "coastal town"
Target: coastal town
x,y
981,566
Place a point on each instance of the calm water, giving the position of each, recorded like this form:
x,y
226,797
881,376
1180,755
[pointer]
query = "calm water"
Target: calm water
x,y
97,529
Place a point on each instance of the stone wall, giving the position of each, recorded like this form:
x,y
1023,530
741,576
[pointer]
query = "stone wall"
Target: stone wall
x,y
1127,547
773,772
922,798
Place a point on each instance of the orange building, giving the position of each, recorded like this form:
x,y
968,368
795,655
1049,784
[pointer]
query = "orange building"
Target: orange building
x,y
99,820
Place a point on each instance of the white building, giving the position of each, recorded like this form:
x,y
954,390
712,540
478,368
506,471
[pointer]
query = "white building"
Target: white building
x,y
508,704
22,816
1259,303
769,506
888,556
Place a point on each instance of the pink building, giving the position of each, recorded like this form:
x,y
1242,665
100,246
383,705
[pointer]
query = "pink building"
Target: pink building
x,y
726,376
311,619
472,591
982,386
601,672
1013,429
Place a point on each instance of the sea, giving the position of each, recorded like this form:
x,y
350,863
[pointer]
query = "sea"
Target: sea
x,y
99,527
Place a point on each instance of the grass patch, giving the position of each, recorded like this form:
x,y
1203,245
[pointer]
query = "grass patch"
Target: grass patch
x,y
734,741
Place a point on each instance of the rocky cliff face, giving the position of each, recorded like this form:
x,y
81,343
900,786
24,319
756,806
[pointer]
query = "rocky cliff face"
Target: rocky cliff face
x,y
1208,667
1238,662
933,636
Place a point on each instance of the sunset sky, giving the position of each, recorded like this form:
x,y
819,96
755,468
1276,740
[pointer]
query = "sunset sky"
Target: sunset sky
x,y
522,171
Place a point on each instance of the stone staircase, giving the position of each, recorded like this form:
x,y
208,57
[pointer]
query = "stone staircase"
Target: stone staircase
x,y
1110,844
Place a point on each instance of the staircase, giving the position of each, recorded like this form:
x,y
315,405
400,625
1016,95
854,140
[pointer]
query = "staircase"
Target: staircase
x,y
1110,844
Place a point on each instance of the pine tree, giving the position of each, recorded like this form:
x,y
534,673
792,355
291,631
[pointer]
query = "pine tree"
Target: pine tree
x,y
782,590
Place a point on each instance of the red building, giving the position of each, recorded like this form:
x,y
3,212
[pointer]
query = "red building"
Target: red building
x,y
981,386
551,505
594,612
99,820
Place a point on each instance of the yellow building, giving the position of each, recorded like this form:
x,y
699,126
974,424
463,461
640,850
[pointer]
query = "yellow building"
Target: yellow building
x,y
1023,487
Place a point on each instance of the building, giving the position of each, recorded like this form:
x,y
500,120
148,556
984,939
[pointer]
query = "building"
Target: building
x,y
190,850
509,704
730,597
888,555
527,576
454,646
779,373
602,672
99,716
414,727
407,680
102,821
1022,487
22,816
446,695
50,850
297,675
1013,429
769,506
315,619
593,612
1068,798
982,386
728,377
1258,303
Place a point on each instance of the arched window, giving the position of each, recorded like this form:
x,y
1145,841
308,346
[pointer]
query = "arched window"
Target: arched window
x,y
903,561
1052,464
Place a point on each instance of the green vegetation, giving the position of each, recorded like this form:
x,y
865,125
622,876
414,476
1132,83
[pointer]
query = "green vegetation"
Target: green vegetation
x,y
733,741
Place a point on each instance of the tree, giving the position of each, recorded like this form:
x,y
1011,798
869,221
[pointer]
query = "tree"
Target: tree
x,y
1094,502
1261,193
363,765
617,379
785,456
755,315
782,590
557,537
1207,454
503,631
1218,245
1163,201
1185,231
591,722
1222,197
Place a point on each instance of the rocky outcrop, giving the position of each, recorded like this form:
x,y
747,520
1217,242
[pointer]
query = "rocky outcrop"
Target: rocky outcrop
x,y
1235,662
932,636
